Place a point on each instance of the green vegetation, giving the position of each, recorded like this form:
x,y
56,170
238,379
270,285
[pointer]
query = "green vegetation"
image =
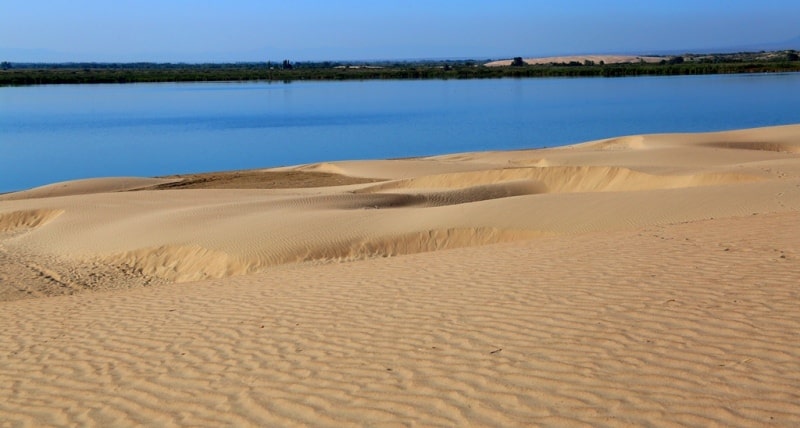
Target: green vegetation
x,y
39,74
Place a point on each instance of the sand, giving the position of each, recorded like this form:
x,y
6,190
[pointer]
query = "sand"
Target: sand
x,y
606,59
641,280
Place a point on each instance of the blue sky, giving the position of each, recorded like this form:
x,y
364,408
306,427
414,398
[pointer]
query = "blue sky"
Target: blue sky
x,y
259,30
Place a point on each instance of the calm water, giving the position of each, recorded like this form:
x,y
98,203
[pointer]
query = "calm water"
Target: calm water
x,y
55,133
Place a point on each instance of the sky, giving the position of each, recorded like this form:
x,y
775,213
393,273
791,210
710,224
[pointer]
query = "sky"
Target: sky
x,y
306,30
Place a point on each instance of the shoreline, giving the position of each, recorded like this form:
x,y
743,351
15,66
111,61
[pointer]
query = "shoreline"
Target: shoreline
x,y
216,177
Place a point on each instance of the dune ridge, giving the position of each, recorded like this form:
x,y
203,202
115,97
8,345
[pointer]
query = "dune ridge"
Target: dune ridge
x,y
86,186
194,263
566,179
28,219
630,281
763,146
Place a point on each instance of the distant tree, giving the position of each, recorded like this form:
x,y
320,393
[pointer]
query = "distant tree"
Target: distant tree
x,y
588,62
676,60
517,62
5,65
287,65
792,56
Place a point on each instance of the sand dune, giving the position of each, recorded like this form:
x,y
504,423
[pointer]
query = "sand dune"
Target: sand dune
x,y
567,179
28,219
83,187
628,281
607,59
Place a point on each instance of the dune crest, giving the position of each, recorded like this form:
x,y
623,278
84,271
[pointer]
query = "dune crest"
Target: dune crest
x,y
325,167
635,142
179,264
86,187
443,196
28,219
566,179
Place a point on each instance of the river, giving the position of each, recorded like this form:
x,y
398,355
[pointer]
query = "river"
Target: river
x,y
63,132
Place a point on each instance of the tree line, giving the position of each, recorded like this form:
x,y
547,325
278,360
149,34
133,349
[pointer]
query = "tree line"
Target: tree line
x,y
286,71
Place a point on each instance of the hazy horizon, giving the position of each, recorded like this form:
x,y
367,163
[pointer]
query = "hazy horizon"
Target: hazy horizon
x,y
349,30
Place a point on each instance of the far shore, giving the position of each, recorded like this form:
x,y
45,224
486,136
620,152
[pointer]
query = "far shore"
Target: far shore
x,y
19,74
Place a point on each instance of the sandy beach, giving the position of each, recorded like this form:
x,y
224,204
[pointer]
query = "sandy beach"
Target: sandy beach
x,y
632,281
